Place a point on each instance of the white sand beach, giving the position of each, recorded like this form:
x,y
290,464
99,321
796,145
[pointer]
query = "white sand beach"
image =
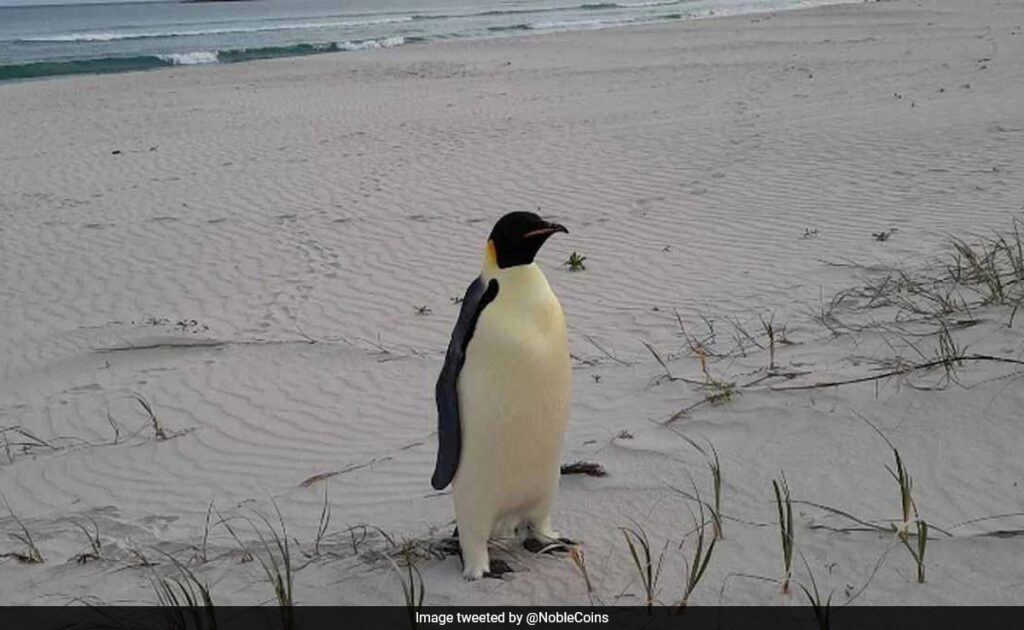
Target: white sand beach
x,y
268,254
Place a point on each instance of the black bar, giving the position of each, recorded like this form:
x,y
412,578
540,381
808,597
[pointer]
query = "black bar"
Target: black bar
x,y
545,618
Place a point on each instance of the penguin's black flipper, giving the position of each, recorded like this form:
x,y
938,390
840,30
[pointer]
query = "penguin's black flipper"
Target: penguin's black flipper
x,y
449,425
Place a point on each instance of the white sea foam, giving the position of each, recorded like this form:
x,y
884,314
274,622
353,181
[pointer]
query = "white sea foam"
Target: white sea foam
x,y
190,58
574,24
651,3
386,42
75,37
111,36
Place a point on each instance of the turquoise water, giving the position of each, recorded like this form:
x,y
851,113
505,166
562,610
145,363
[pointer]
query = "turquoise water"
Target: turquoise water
x,y
39,41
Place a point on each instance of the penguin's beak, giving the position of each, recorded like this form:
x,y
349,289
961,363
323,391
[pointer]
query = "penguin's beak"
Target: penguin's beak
x,y
546,231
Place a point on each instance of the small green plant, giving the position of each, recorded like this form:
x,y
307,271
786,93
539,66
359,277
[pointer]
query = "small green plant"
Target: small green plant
x,y
698,564
994,267
279,570
186,600
201,553
325,521
95,546
910,516
31,555
822,610
276,561
979,265
648,570
997,264
906,484
718,391
575,262
769,331
158,428
715,390
715,467
784,506
413,588
917,552
323,525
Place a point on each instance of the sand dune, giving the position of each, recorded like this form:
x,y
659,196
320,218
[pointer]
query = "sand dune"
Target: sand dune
x,y
267,253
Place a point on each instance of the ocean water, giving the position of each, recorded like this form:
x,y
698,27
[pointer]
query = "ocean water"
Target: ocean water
x,y
49,40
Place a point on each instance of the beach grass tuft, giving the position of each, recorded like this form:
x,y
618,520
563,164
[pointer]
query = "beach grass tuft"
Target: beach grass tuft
x,y
201,553
697,564
774,335
822,609
917,551
714,465
910,516
413,587
647,568
95,545
31,555
784,505
324,523
185,600
275,560
995,265
906,484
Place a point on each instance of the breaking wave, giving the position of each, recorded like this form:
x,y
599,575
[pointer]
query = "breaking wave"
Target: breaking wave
x,y
107,65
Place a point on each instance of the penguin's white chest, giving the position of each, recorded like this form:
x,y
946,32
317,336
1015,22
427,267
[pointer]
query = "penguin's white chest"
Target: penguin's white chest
x,y
514,399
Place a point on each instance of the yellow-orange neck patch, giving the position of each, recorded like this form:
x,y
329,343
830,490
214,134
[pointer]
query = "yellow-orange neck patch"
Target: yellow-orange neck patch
x,y
490,255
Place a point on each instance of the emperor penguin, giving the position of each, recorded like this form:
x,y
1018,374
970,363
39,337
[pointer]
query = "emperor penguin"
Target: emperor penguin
x,y
503,396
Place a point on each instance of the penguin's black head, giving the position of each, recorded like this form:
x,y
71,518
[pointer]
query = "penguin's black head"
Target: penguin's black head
x,y
518,236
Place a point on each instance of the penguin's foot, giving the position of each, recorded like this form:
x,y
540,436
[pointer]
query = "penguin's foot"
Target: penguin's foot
x,y
475,568
475,559
559,545
449,546
498,568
